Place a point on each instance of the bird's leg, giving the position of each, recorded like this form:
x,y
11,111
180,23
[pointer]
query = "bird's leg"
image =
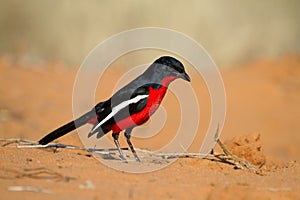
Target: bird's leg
x,y
116,137
127,134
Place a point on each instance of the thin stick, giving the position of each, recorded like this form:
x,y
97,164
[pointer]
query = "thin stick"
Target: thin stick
x,y
239,163
34,144
16,140
173,155
226,157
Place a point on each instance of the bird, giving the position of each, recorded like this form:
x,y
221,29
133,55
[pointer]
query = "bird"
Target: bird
x,y
129,107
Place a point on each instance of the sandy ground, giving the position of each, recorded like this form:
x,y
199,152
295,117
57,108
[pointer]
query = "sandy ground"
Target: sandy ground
x,y
261,125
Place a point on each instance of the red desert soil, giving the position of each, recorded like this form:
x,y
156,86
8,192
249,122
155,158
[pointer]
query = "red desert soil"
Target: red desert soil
x,y
262,126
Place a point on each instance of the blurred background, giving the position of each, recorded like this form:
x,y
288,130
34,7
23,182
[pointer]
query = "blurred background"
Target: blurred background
x,y
233,32
255,43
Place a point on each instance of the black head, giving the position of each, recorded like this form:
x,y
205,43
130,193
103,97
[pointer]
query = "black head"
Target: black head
x,y
169,66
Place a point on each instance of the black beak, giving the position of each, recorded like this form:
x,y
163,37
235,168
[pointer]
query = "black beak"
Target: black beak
x,y
185,76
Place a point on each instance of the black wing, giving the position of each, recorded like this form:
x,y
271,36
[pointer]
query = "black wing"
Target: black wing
x,y
119,107
140,105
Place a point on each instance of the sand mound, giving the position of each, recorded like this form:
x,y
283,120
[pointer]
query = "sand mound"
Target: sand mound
x,y
248,147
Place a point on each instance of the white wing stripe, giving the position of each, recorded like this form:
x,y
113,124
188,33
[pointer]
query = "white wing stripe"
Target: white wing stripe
x,y
119,107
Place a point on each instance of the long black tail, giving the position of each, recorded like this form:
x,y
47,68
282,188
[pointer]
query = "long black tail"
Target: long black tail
x,y
67,128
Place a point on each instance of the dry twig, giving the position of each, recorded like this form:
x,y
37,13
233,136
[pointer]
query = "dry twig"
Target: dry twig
x,y
238,162
226,157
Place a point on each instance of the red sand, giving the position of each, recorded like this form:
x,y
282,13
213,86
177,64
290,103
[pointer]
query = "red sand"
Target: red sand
x,y
261,126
